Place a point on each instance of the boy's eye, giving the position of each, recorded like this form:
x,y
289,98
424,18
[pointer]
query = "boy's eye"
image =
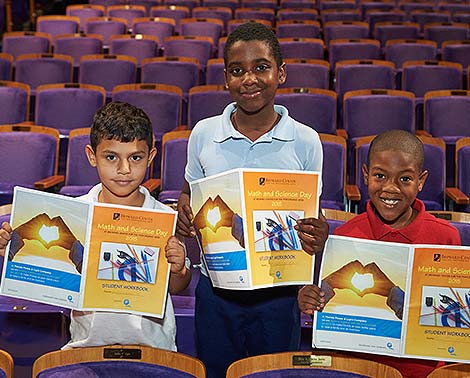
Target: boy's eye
x,y
406,179
379,175
110,157
136,158
262,67
237,71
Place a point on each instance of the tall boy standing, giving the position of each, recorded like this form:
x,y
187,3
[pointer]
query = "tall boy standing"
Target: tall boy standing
x,y
252,133
121,150
394,176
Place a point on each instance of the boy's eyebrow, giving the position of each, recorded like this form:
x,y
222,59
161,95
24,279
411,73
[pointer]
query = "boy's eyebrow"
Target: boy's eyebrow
x,y
108,151
258,60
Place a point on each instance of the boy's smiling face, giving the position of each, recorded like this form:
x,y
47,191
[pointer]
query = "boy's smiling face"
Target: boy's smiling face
x,y
394,179
121,167
252,75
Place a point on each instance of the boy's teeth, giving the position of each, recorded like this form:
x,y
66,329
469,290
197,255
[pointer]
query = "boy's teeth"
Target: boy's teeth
x,y
390,202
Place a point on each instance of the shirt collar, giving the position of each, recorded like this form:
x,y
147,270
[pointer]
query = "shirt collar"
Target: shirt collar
x,y
96,190
283,130
380,230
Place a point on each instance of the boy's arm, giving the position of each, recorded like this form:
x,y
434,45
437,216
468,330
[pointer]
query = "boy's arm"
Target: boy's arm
x,y
184,226
180,274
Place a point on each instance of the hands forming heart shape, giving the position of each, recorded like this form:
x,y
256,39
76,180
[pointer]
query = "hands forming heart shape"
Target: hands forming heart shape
x,y
50,232
214,213
361,279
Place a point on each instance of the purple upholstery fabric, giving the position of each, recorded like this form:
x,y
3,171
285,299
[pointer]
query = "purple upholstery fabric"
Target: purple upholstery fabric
x,y
107,2
25,44
412,6
78,46
5,69
304,373
215,73
297,13
83,14
298,30
420,79
307,75
56,27
3,374
345,30
375,6
464,231
332,4
159,29
175,14
458,52
352,50
67,108
46,70
255,14
463,182
206,104
441,33
107,72
375,16
192,48
259,4
397,30
173,72
462,17
190,4
112,369
341,15
162,107
127,13
301,48
399,53
224,14
204,29
173,164
316,110
333,176
222,3
28,156
106,28
13,105
138,48
423,18
297,4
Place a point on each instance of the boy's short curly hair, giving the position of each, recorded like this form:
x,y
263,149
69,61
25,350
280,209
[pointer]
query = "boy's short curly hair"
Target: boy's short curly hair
x,y
121,121
254,31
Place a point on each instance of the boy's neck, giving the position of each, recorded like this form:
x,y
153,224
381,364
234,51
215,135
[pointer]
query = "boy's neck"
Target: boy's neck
x,y
255,125
135,199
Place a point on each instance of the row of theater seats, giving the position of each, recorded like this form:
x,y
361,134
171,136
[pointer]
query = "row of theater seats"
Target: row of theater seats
x,y
129,360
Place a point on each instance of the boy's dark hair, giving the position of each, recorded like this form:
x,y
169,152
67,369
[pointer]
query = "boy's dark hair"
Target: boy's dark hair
x,y
254,31
398,140
120,121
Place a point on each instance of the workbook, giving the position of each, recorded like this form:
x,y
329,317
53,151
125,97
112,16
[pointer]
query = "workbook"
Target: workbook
x,y
396,299
89,256
245,221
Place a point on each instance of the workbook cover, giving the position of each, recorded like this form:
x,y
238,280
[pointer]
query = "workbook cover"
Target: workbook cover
x,y
395,299
89,256
245,222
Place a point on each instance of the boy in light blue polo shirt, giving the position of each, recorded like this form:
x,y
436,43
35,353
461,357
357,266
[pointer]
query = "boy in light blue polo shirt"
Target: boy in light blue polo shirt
x,y
252,132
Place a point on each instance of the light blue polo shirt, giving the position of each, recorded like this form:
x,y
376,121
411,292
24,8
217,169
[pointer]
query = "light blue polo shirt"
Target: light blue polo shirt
x,y
215,146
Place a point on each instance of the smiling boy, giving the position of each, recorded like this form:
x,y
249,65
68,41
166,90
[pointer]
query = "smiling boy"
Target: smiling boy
x,y
394,176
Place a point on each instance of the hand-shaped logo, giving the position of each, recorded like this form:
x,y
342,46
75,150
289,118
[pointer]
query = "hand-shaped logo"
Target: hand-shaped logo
x,y
362,281
214,213
48,234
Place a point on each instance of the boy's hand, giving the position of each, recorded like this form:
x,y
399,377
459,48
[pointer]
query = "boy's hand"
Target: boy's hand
x,y
312,233
5,236
382,284
174,253
311,298
341,278
184,225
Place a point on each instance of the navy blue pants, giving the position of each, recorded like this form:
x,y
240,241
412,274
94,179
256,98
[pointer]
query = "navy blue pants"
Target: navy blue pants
x,y
232,324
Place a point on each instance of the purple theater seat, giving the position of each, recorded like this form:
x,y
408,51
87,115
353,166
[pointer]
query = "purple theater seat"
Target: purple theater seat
x,y
347,49
233,24
313,107
6,62
340,15
55,25
464,231
462,182
268,4
225,14
266,14
107,70
297,13
175,12
160,27
391,30
68,106
375,16
337,4
14,102
127,12
198,47
174,145
137,45
190,4
39,69
203,27
400,51
423,17
303,373
18,43
107,2
84,12
106,27
334,172
440,32
345,29
308,73
215,72
29,153
78,45
409,7
298,29
457,51
206,101
302,48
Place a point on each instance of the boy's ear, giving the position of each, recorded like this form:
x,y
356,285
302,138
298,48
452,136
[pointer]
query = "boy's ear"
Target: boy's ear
x,y
422,179
152,154
90,154
365,173
225,79
282,73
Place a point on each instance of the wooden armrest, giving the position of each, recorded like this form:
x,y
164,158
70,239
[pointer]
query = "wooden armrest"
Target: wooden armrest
x,y
353,193
49,182
342,133
152,184
457,196
423,133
